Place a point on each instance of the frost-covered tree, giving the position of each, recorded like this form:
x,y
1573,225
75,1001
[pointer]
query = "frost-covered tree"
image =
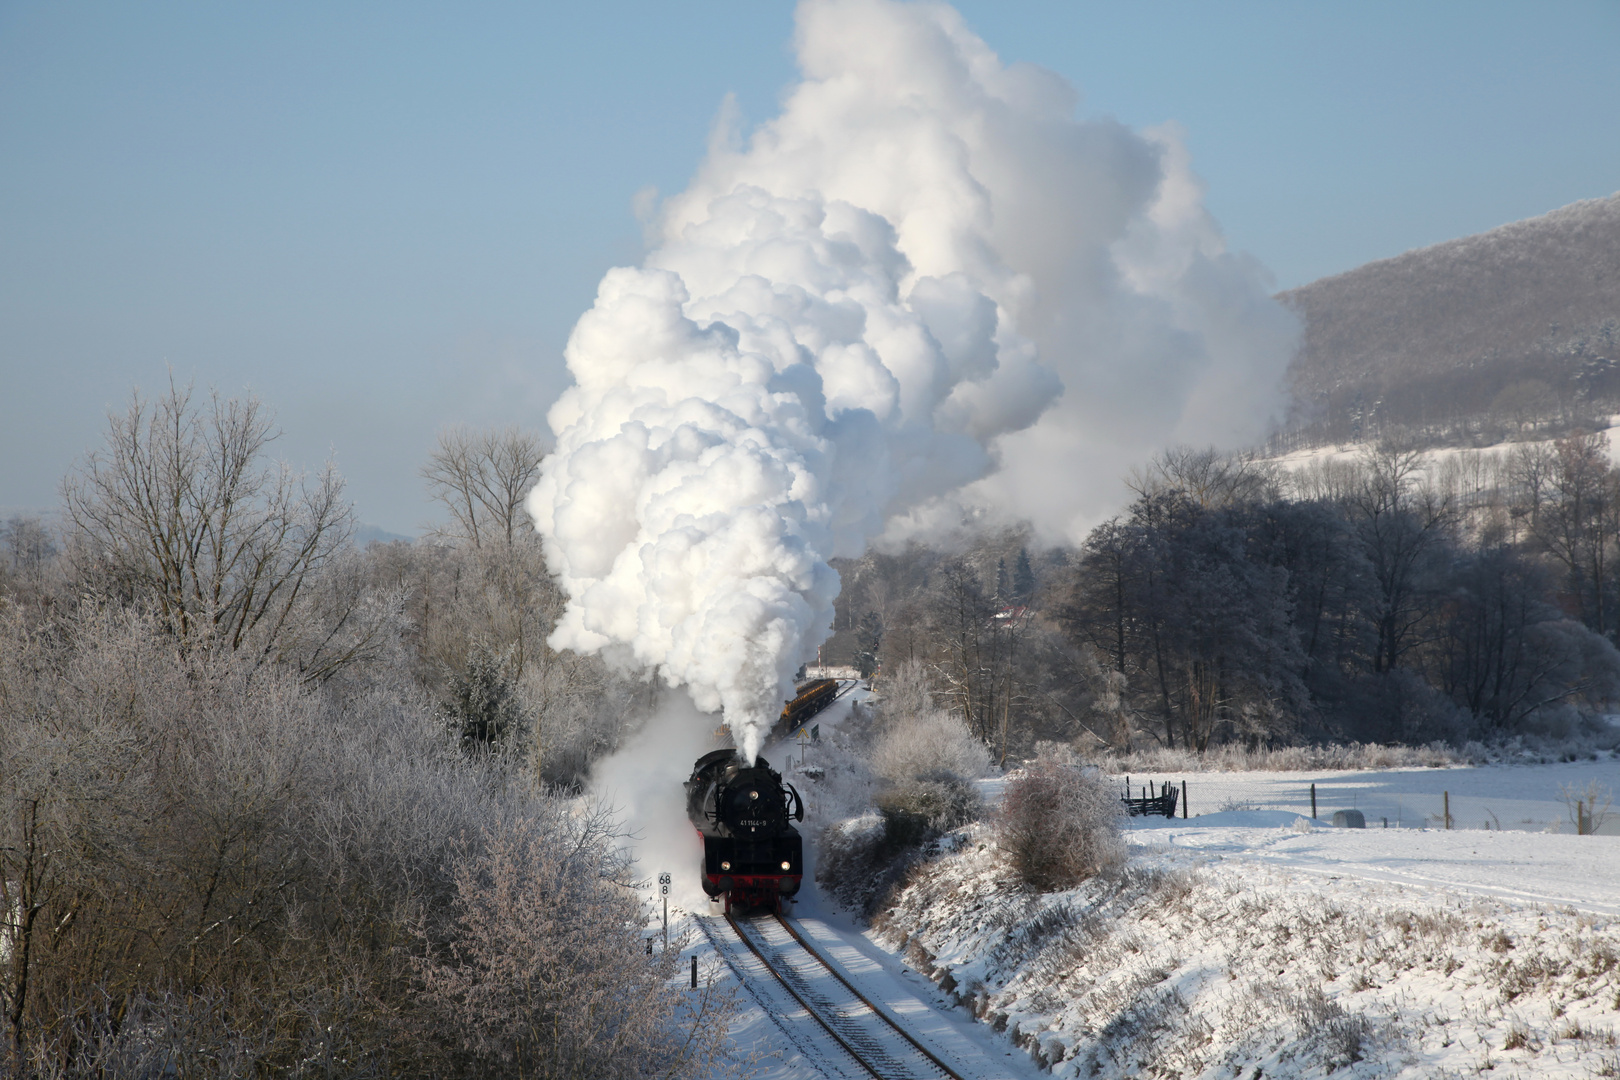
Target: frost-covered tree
x,y
183,512
482,476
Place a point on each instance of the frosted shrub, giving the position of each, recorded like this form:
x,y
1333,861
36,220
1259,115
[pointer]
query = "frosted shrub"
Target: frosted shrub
x,y
230,871
924,761
927,744
849,859
926,806
1060,825
915,739
929,759
543,974
907,692
860,861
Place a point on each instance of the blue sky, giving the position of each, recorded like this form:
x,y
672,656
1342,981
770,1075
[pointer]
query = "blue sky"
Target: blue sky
x,y
384,218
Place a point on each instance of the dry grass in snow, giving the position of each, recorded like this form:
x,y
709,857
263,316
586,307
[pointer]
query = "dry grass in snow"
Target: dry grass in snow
x,y
1183,966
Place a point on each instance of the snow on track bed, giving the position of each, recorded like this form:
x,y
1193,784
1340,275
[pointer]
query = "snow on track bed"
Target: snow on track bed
x,y
867,1034
814,1045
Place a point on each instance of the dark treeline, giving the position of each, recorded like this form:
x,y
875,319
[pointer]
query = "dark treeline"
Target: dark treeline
x,y
1370,599
1561,384
274,806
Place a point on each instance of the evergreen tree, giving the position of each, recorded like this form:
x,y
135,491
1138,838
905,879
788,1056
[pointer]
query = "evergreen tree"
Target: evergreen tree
x,y
868,640
1023,578
483,704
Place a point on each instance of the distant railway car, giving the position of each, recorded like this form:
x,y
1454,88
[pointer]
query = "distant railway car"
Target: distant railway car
x,y
813,696
752,854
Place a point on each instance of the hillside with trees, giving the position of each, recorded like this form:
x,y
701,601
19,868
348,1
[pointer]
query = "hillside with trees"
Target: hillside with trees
x,y
1469,342
1381,599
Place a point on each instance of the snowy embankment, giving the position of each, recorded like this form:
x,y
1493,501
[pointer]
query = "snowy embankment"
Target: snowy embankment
x,y
1249,942
1255,943
1435,457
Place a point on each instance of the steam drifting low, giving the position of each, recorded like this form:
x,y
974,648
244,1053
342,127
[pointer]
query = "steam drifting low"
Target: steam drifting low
x,y
923,285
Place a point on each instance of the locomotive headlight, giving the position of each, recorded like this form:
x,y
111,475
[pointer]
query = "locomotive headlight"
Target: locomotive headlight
x,y
787,865
725,865
753,794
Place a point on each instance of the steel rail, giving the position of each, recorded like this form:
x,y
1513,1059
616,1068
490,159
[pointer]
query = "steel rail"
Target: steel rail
x,y
822,961
868,1002
805,1005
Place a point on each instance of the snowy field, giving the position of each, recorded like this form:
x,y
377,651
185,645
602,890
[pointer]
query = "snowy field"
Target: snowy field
x,y
1513,832
1564,870
1508,797
1248,940
1297,459
1258,943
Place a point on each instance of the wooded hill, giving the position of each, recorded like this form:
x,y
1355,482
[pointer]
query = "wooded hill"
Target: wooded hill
x,y
1468,342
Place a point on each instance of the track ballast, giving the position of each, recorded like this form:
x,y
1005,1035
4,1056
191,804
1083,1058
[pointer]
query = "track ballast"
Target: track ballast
x,y
873,1039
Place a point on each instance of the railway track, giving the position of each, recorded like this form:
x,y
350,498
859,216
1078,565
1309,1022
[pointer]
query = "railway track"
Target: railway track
x,y
877,1043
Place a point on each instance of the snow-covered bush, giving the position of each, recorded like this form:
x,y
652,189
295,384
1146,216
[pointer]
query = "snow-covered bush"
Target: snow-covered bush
x,y
926,806
852,862
908,690
861,859
924,760
229,872
928,744
539,973
1059,825
915,739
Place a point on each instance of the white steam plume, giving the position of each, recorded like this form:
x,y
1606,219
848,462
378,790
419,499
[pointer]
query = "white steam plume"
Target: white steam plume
x,y
924,284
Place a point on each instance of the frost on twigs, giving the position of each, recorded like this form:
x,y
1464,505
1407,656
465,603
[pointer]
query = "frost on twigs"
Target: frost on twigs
x,y
227,871
542,973
1059,825
925,761
1161,969
1589,806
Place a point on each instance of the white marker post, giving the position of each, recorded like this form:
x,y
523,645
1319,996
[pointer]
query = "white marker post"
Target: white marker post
x,y
663,890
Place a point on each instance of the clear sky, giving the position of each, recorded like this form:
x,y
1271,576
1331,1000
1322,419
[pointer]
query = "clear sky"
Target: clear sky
x,y
385,217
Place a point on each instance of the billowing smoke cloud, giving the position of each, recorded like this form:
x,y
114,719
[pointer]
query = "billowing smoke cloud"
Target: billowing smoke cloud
x,y
925,284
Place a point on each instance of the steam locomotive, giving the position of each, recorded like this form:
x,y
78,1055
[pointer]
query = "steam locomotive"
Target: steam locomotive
x,y
752,854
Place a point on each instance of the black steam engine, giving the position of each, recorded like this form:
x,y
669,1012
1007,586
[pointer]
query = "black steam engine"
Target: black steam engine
x,y
752,854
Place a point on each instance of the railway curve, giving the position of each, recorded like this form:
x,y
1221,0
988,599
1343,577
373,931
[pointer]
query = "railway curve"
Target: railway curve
x,y
875,1041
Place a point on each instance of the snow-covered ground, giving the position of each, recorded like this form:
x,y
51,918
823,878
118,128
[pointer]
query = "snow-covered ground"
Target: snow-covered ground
x,y
1297,459
1193,964
1511,797
1564,870
1256,942
1249,941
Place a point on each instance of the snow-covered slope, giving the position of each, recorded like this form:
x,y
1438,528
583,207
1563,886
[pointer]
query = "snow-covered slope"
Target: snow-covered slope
x,y
1251,941
1436,459
1256,943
